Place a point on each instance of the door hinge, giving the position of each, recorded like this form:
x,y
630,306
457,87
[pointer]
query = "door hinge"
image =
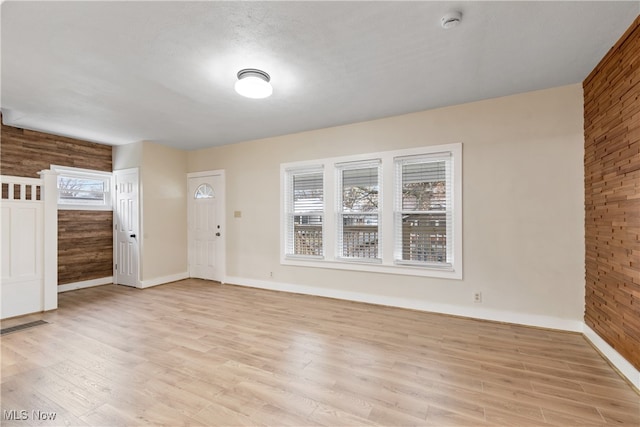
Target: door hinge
x,y
116,267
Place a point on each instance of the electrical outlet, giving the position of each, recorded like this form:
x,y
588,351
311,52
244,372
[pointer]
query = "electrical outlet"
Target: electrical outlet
x,y
477,297
271,274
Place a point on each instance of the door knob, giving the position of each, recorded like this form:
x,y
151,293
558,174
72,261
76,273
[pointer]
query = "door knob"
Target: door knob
x,y
132,235
218,234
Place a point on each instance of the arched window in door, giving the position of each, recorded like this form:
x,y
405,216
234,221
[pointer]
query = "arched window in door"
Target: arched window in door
x,y
204,191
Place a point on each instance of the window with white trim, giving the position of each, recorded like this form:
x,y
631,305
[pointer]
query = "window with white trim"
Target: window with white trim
x,y
397,212
358,214
423,210
83,189
304,206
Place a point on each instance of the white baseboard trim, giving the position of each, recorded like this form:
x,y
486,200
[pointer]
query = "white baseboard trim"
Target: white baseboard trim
x,y
162,280
477,313
621,364
85,284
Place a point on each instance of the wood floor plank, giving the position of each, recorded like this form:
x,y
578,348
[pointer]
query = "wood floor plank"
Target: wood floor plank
x,y
195,352
603,402
390,416
218,414
564,419
444,417
331,416
108,415
575,409
17,395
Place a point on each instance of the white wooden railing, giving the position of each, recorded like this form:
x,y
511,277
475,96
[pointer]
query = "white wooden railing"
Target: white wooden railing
x,y
29,208
19,188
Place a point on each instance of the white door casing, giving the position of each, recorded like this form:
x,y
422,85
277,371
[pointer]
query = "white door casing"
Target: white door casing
x,y
126,228
206,230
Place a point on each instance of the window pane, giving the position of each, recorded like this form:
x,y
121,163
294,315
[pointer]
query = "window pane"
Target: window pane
x,y
359,236
307,192
81,189
204,191
80,184
423,222
313,220
81,195
306,208
424,237
424,186
360,190
307,231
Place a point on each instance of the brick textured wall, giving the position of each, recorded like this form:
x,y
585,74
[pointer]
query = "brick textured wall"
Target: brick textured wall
x,y
85,246
612,196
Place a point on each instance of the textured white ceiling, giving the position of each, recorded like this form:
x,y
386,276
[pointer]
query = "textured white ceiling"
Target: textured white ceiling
x,y
122,72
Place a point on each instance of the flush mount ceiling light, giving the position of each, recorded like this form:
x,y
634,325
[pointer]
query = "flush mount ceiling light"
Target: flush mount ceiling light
x,y
253,83
450,20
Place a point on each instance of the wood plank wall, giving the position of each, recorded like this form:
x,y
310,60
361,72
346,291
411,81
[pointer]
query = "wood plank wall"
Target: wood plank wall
x,y
612,196
85,245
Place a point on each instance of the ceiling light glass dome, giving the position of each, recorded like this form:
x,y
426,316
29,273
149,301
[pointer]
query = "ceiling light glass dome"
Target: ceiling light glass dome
x,y
253,83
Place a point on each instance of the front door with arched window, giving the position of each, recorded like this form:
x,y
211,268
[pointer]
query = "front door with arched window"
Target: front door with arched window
x,y
206,226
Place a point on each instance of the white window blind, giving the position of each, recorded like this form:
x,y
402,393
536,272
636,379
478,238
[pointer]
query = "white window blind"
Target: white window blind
x,y
304,205
358,215
424,210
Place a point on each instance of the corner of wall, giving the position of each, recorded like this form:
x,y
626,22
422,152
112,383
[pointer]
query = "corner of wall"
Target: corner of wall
x,y
164,212
626,369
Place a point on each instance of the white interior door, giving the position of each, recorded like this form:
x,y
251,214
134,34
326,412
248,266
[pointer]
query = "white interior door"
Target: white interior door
x,y
126,227
206,226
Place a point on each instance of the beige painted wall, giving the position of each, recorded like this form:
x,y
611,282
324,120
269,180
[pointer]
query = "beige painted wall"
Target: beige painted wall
x,y
522,198
127,156
164,211
163,206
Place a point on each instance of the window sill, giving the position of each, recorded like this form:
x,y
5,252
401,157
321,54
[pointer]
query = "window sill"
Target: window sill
x,y
297,258
365,261
449,272
84,208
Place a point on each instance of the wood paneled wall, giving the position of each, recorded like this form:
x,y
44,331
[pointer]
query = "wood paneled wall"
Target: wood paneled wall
x,y
612,196
85,246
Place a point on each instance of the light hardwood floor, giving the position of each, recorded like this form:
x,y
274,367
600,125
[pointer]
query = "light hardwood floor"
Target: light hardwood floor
x,y
201,353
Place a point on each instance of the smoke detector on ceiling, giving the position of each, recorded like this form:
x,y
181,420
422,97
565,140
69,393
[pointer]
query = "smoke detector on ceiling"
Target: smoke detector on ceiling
x,y
450,20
